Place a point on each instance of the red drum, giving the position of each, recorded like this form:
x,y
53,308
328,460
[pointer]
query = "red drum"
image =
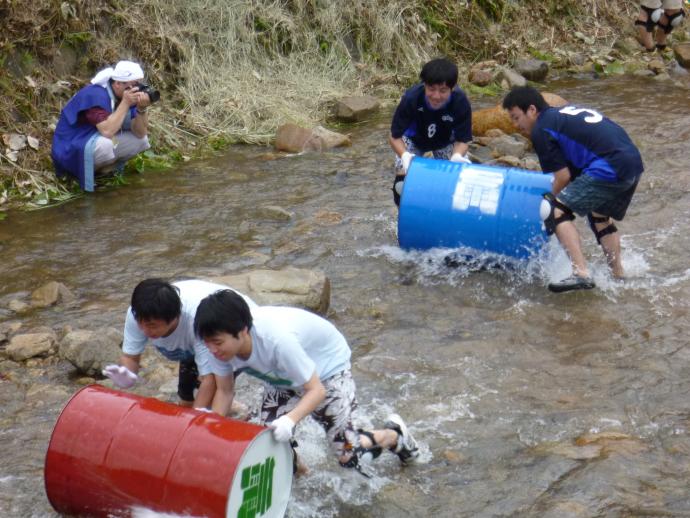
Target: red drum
x,y
112,453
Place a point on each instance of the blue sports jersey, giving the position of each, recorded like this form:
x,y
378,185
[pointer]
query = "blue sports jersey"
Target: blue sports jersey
x,y
586,142
432,129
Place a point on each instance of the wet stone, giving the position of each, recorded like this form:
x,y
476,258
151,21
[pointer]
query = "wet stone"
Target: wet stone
x,y
274,212
356,108
50,294
23,347
532,69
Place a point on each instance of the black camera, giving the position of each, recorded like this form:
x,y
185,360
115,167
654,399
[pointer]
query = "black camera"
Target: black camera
x,y
154,95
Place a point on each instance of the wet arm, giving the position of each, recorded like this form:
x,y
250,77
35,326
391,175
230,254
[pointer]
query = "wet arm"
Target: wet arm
x,y
460,147
398,145
224,394
314,394
205,394
561,178
132,362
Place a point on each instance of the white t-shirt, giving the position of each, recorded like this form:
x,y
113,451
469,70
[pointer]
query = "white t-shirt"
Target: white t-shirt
x,y
288,346
180,344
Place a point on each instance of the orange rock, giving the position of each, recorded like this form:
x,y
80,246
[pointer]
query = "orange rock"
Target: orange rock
x,y
496,117
490,118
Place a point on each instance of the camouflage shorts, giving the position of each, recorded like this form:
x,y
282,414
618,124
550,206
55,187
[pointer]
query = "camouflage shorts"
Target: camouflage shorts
x,y
334,414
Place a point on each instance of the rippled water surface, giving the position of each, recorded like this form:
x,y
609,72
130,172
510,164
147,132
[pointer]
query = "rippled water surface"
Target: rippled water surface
x,y
525,403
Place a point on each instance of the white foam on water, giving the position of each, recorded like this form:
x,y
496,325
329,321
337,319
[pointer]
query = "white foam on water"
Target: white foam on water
x,y
327,485
430,267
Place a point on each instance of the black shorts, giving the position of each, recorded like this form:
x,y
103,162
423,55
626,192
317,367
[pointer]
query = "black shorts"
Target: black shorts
x,y
188,380
586,194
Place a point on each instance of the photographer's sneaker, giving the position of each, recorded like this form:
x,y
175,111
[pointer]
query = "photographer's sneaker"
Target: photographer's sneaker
x,y
406,448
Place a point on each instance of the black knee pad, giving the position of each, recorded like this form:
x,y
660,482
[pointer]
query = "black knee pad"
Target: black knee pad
x,y
609,229
547,211
674,20
653,16
360,452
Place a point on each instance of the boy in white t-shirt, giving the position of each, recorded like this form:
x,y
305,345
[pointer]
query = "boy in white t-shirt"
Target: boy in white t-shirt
x,y
164,314
304,362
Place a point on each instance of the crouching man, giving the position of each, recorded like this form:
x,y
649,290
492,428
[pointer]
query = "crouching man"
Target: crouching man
x,y
103,125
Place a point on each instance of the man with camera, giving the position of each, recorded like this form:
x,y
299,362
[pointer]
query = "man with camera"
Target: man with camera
x,y
104,124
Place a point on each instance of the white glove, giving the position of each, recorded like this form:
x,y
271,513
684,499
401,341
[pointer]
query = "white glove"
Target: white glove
x,y
406,158
282,428
457,157
121,375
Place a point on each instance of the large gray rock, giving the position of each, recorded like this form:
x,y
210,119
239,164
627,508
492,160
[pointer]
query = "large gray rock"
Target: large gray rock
x,y
509,145
532,69
25,346
309,289
682,54
510,77
90,351
356,108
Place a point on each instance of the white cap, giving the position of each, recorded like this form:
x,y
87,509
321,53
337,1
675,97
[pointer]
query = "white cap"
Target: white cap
x,y
123,71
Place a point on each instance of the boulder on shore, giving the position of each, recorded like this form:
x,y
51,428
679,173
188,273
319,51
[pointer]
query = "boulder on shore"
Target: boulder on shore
x,y
296,139
356,108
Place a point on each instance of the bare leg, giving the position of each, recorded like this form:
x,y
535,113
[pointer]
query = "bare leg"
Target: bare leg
x,y
570,240
611,244
661,35
386,439
645,38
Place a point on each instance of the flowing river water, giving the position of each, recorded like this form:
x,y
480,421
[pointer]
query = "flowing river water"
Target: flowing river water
x,y
525,403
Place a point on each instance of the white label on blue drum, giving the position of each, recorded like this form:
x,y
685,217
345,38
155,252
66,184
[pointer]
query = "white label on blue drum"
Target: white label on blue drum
x,y
478,188
263,479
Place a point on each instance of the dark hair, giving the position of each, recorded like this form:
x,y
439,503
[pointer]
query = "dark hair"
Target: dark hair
x,y
224,311
156,299
523,97
438,71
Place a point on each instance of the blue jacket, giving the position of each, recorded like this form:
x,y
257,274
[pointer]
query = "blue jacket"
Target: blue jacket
x,y
74,141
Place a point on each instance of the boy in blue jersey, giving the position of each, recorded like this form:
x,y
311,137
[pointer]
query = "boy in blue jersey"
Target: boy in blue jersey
x,y
433,116
596,170
304,362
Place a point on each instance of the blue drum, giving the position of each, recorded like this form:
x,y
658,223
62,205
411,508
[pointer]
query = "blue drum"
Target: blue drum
x,y
487,208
